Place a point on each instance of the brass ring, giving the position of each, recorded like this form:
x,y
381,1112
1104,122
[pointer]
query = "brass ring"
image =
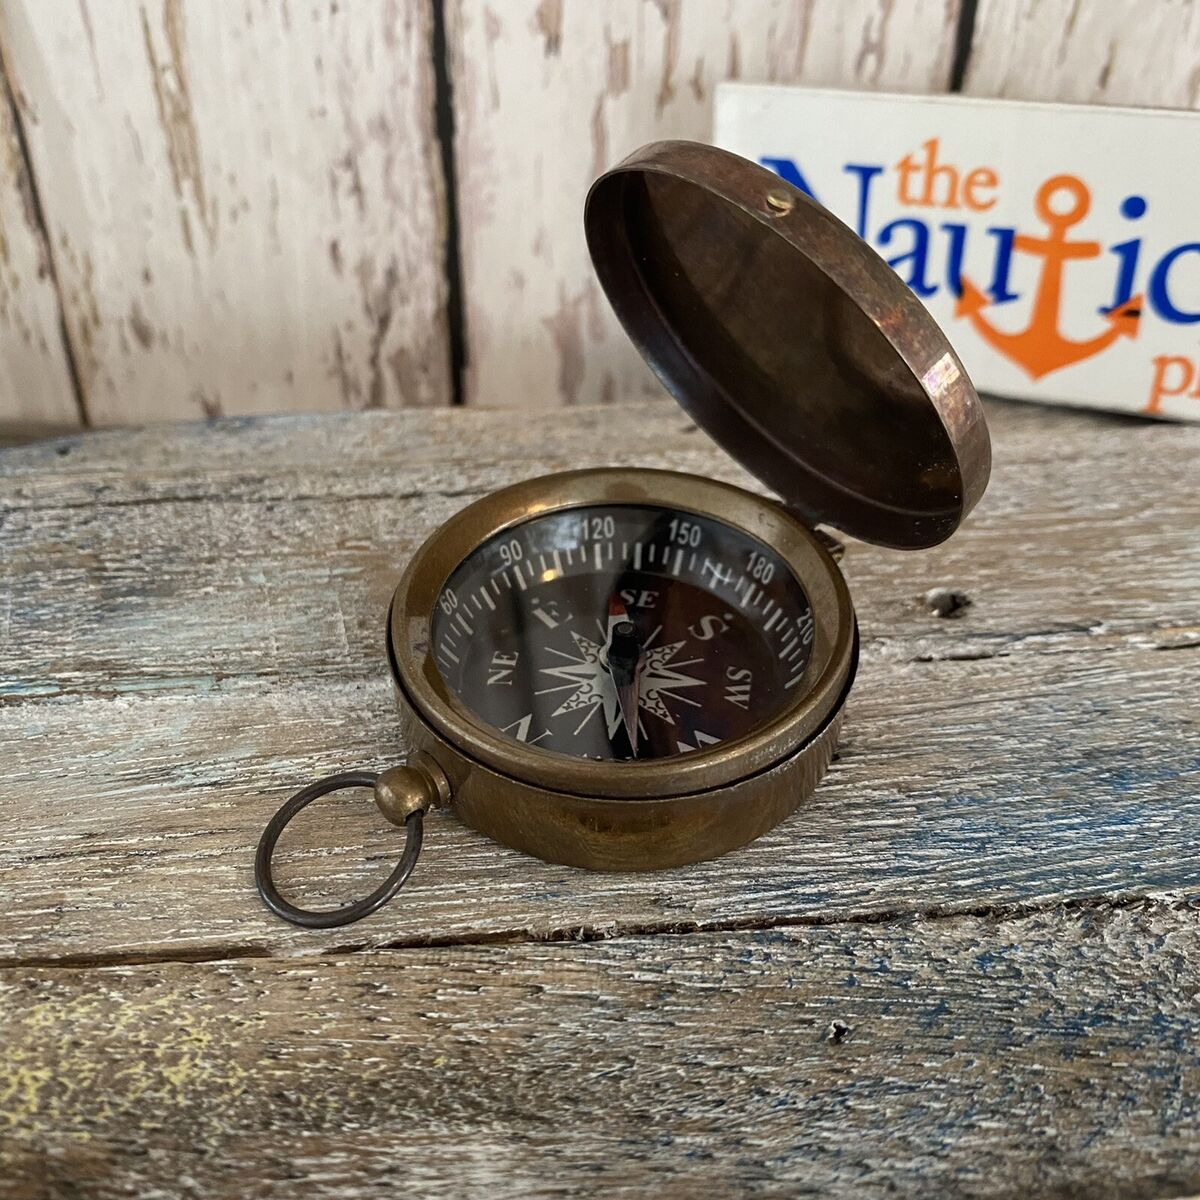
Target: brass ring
x,y
348,913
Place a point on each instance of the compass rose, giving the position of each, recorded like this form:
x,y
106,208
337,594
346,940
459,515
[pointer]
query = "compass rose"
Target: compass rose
x,y
592,685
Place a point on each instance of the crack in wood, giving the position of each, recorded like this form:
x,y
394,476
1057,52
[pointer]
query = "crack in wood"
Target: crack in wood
x,y
27,183
624,930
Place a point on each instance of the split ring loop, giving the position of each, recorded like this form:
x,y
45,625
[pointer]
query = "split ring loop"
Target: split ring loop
x,y
333,917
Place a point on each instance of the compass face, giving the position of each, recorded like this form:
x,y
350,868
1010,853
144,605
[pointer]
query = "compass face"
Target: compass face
x,y
623,631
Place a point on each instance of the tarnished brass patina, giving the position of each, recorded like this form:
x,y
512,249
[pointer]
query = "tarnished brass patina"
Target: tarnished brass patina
x,y
625,815
789,340
806,358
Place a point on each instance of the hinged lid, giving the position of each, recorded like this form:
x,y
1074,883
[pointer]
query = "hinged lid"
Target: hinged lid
x,y
787,338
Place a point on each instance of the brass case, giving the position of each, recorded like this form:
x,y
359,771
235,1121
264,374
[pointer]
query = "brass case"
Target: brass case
x,y
625,815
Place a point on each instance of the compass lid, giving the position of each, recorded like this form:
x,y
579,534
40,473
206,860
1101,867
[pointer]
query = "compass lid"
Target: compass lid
x,y
791,342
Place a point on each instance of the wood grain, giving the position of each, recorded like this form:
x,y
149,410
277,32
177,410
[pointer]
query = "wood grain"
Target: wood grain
x,y
1052,1055
245,204
187,639
127,825
37,394
128,554
549,93
1121,52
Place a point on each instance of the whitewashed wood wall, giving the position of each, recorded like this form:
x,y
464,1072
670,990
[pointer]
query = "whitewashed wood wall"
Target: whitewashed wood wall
x,y
288,205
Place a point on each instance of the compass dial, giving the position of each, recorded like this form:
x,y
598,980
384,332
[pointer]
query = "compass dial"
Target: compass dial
x,y
623,631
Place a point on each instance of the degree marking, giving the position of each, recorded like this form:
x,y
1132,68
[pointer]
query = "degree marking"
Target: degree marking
x,y
637,556
678,562
467,626
487,599
545,618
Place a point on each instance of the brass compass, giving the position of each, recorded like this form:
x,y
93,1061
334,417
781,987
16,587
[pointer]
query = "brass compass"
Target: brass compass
x,y
627,669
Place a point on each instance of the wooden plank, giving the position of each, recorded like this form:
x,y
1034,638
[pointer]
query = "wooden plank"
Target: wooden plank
x,y
1050,1055
548,94
37,394
245,204
192,625
1116,53
127,825
271,550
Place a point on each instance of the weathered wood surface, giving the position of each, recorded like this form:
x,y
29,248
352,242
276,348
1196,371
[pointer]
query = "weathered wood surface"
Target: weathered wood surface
x,y
36,391
1118,52
245,203
994,891
245,206
193,624
1049,1055
549,93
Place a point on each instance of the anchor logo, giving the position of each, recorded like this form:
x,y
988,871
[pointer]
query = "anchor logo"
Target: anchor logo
x,y
1041,348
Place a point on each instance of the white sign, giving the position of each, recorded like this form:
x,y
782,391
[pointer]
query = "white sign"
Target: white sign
x,y
1057,245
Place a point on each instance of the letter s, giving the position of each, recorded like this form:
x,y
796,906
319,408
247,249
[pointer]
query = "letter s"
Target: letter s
x,y
709,628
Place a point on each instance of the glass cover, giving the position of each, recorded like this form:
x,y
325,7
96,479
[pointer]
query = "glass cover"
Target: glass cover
x,y
623,631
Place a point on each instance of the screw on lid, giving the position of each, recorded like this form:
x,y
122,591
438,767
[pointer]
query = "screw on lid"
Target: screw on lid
x,y
787,338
